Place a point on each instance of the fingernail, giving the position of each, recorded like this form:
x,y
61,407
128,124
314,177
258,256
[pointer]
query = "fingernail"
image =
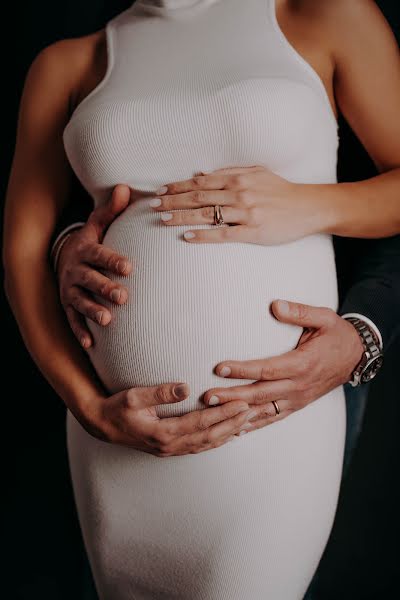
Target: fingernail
x,y
115,295
155,202
166,216
213,401
99,316
188,235
180,391
243,431
283,307
225,371
84,342
162,190
252,414
232,437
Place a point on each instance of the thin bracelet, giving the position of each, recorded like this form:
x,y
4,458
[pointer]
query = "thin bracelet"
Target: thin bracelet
x,y
60,241
58,251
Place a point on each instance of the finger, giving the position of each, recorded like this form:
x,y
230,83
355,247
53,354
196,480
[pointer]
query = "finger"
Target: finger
x,y
193,200
99,284
283,366
105,258
105,214
215,434
79,327
233,170
145,397
202,419
259,392
220,235
268,419
303,314
219,181
202,215
87,307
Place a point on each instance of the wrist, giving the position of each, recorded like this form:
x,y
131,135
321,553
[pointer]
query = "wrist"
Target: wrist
x,y
372,357
59,242
322,205
89,411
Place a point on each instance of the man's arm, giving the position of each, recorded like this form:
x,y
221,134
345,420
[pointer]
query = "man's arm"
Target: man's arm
x,y
374,286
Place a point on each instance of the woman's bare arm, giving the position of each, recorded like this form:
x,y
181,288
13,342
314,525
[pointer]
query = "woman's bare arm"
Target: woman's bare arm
x,y
366,82
38,189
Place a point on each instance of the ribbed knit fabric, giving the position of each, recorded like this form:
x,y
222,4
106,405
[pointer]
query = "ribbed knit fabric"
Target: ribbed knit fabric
x,y
199,85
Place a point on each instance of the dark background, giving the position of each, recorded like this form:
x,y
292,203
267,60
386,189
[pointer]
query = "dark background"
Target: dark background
x,y
45,556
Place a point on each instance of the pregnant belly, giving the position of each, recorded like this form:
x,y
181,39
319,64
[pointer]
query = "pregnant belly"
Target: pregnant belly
x,y
193,306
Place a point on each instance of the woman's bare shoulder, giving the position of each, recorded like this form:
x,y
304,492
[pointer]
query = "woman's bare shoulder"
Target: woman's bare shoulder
x,y
340,21
71,65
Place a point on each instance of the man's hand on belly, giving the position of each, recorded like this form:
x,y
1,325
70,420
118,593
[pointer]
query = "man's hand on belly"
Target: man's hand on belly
x,y
327,353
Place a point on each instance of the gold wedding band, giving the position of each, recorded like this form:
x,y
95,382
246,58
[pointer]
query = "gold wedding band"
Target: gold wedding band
x,y
218,218
277,410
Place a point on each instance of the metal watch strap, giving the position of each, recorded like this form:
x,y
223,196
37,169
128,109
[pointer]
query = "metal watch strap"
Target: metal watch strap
x,y
371,348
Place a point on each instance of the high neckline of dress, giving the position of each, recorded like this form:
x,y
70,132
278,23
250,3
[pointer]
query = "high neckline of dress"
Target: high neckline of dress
x,y
173,7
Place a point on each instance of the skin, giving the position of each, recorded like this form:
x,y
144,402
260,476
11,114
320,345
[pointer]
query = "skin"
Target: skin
x,y
39,189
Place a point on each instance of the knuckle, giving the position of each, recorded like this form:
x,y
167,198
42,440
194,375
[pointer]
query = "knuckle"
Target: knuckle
x,y
198,197
130,399
202,423
260,396
243,198
76,301
301,312
98,253
207,212
236,181
110,262
81,247
163,440
253,216
86,277
105,289
161,395
198,181
302,385
331,316
242,373
268,372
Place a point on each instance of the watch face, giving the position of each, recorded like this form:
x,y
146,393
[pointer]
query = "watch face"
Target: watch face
x,y
371,369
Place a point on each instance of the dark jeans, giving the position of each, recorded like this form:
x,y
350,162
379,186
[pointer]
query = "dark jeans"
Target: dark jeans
x,y
356,402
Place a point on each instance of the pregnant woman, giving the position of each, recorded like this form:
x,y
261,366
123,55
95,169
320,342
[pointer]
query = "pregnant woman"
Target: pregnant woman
x,y
187,87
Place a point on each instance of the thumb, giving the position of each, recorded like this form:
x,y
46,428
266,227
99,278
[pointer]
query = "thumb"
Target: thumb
x,y
304,315
104,215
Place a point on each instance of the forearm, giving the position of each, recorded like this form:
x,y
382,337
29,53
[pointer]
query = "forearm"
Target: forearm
x,y
47,336
360,209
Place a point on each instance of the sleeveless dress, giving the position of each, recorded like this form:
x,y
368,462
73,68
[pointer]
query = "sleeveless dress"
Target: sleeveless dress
x,y
194,86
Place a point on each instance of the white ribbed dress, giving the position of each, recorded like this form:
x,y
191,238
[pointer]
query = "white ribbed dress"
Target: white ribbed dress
x,y
190,86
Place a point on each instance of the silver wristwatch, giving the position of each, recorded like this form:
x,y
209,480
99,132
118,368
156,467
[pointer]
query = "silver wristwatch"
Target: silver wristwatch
x,y
372,358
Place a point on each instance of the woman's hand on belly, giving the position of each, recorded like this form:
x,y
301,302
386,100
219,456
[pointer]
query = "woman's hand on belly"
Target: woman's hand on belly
x,y
80,262
325,357
264,208
128,418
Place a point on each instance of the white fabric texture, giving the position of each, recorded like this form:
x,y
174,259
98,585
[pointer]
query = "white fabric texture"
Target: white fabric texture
x,y
194,86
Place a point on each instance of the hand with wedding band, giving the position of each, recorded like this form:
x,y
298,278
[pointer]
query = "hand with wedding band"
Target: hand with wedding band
x,y
248,204
326,354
